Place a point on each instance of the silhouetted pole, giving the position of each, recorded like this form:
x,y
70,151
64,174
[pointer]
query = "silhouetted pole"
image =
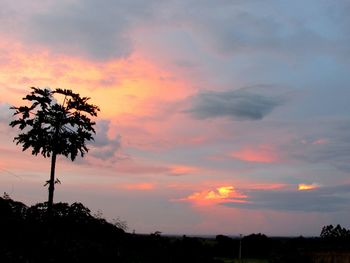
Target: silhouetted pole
x,y
240,248
51,184
53,167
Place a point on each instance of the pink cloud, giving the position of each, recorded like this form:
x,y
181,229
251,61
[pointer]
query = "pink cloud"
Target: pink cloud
x,y
261,154
182,170
140,186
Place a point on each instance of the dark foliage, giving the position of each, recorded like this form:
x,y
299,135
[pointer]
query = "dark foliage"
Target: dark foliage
x,y
26,235
50,127
256,246
226,247
335,233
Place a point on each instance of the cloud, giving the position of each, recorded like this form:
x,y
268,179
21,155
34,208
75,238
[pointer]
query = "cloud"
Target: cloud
x,y
96,29
5,113
219,195
104,147
110,28
244,29
261,154
306,187
247,27
139,186
238,104
177,170
322,199
326,142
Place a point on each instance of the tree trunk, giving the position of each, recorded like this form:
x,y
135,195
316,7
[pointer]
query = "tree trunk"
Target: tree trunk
x,y
52,173
51,184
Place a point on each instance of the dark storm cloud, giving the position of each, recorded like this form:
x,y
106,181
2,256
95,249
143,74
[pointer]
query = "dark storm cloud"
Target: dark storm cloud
x,y
324,199
236,104
97,29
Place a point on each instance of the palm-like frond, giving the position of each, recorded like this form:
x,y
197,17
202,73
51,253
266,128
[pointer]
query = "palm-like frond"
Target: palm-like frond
x,y
47,126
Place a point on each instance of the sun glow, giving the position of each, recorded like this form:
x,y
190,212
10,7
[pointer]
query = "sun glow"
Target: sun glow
x,y
219,195
303,187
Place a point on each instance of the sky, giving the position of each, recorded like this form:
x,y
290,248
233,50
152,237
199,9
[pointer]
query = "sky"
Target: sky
x,y
217,117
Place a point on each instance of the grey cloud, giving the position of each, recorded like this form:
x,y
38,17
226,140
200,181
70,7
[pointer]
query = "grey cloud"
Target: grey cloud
x,y
262,34
104,147
5,112
268,28
327,199
233,27
236,104
104,29
335,149
97,29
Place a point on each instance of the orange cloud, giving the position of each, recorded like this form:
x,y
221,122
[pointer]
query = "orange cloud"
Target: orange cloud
x,y
303,187
138,96
261,154
123,86
219,195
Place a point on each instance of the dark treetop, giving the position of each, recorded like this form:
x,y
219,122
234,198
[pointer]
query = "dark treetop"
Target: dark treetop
x,y
51,127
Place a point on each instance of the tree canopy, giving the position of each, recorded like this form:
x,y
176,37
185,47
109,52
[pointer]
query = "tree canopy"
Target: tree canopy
x,y
337,232
49,126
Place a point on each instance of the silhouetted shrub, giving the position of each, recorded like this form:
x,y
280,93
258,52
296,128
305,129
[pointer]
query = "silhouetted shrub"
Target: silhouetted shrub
x,y
73,235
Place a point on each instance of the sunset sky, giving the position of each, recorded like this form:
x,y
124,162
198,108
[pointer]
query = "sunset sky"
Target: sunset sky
x,y
217,117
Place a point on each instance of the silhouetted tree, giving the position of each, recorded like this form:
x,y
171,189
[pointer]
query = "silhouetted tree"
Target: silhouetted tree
x,y
52,128
331,232
256,246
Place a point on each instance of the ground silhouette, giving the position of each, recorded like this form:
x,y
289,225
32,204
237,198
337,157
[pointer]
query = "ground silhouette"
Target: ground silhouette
x,y
77,235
